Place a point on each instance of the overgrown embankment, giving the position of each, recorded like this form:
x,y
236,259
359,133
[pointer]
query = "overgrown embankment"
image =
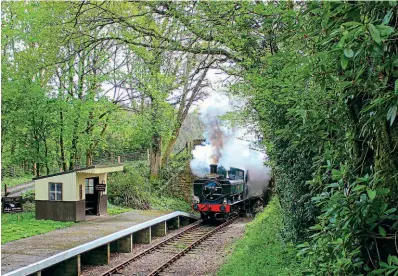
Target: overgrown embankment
x,y
262,250
133,187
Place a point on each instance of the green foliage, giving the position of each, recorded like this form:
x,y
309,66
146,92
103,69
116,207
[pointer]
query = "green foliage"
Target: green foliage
x,y
56,112
326,103
354,221
169,203
29,196
129,188
170,175
320,80
262,251
23,225
133,189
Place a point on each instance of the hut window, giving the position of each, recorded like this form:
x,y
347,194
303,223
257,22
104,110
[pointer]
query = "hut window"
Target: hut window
x,y
89,186
55,191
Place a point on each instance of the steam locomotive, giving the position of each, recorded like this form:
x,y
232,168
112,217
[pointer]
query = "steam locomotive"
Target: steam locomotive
x,y
223,193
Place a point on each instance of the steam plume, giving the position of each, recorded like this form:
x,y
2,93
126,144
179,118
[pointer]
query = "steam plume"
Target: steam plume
x,y
222,146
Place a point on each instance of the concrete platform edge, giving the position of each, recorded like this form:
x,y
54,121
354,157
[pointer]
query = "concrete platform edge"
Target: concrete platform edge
x,y
70,253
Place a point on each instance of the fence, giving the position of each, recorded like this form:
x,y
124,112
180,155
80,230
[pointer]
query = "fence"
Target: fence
x,y
26,168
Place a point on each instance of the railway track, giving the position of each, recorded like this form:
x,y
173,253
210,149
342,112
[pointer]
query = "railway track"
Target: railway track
x,y
168,251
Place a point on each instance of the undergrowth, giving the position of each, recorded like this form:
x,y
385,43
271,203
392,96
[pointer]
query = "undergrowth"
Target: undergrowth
x,y
261,251
169,203
132,188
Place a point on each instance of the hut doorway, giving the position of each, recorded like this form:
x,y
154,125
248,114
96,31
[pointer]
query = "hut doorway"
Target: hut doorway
x,y
92,196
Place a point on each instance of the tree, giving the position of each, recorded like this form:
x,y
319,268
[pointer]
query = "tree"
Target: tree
x,y
193,89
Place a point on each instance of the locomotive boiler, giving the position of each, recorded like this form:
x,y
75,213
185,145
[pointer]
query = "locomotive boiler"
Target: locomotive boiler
x,y
223,193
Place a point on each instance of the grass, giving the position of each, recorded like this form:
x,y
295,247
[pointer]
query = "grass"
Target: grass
x,y
116,210
15,181
22,225
261,251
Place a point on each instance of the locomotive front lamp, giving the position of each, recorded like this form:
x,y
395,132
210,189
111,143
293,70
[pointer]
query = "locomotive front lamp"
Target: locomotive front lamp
x,y
195,199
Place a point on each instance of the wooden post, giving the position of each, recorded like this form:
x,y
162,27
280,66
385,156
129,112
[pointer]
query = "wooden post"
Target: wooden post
x,y
118,159
99,203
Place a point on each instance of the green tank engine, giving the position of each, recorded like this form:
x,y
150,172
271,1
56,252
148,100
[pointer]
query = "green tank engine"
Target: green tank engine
x,y
219,192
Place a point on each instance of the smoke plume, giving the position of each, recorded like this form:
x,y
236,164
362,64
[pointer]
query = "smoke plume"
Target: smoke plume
x,y
222,145
216,140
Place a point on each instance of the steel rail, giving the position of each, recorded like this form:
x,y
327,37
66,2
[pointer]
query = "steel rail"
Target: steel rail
x,y
149,250
190,247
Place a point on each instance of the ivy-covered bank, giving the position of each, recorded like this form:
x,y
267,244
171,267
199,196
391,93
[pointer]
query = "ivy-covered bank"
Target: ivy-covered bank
x,y
262,250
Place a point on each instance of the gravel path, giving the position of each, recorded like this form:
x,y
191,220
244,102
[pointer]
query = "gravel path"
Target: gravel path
x,y
205,259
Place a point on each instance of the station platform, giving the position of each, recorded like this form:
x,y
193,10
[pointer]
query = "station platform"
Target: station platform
x,y
27,251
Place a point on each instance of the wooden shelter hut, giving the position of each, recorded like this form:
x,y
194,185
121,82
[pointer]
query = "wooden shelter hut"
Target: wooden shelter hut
x,y
71,195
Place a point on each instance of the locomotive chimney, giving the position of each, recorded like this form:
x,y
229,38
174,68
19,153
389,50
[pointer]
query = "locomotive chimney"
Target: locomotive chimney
x,y
213,168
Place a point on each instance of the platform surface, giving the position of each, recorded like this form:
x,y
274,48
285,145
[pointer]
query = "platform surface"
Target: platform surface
x,y
20,253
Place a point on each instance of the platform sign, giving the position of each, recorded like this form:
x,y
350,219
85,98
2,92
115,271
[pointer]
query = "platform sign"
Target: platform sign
x,y
12,204
100,187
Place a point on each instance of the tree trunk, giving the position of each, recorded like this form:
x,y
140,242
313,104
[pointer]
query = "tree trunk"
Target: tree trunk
x,y
171,144
61,141
46,156
185,105
89,157
37,141
80,85
155,155
73,152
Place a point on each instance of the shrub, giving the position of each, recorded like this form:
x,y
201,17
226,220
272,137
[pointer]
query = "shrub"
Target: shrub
x,y
129,188
355,229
